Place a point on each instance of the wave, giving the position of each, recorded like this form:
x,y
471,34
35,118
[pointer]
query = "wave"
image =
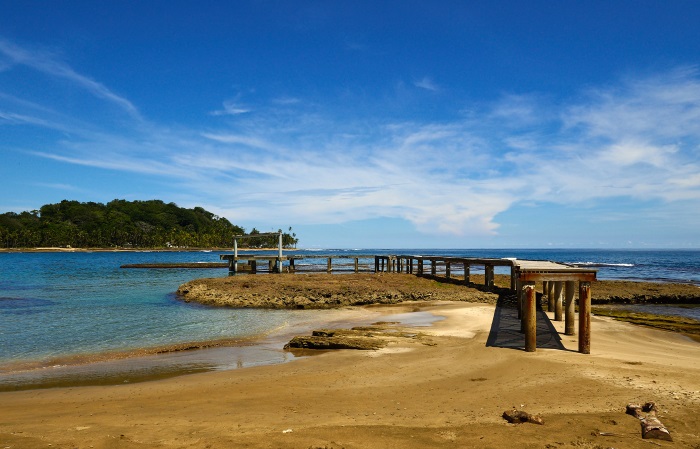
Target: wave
x,y
601,264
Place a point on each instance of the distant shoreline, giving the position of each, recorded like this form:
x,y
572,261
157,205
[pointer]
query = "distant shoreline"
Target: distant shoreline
x,y
57,249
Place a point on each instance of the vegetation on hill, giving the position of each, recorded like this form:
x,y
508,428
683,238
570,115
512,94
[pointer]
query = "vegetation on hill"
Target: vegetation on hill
x,y
124,224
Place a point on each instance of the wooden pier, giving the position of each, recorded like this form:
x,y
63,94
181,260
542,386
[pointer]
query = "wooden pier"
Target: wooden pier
x,y
559,282
275,264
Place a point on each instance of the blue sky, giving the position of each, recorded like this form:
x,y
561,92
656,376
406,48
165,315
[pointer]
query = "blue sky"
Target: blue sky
x,y
365,124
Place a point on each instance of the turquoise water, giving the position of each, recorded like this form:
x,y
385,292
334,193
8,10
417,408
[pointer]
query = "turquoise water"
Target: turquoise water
x,y
57,305
54,305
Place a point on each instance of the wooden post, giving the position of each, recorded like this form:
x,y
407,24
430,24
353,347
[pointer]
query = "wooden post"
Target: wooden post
x,y
357,265
488,269
270,265
550,296
558,300
513,279
292,268
448,271
545,286
235,248
519,298
570,306
280,248
584,318
433,267
253,266
420,266
522,299
466,272
530,315
330,268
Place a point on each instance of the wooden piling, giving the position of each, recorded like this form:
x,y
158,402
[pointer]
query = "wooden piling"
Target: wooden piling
x,y
550,296
357,264
466,273
489,275
558,300
448,273
530,311
584,318
570,306
330,265
519,298
433,267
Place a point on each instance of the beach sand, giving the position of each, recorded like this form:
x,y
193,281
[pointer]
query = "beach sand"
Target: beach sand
x,y
447,389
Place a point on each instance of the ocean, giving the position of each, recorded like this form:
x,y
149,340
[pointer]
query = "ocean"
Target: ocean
x,y
61,306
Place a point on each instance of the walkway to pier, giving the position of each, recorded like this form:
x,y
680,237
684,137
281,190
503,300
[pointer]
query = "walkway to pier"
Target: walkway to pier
x,y
559,282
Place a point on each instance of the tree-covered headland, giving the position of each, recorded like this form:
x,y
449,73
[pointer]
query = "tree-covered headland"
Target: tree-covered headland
x,y
125,224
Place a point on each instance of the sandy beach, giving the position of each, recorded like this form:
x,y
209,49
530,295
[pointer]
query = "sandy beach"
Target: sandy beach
x,y
446,389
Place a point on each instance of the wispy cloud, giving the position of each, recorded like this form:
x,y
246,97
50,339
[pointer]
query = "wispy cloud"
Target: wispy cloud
x,y
52,66
58,186
636,139
427,84
232,107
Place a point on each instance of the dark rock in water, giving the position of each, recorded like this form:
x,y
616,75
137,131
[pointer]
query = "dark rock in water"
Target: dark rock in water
x,y
336,342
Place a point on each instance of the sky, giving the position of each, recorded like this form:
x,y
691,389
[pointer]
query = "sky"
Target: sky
x,y
365,124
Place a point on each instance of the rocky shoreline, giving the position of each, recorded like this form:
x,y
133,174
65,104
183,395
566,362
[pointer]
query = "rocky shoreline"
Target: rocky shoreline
x,y
324,291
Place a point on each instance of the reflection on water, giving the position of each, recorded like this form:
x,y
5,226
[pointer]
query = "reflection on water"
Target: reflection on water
x,y
264,351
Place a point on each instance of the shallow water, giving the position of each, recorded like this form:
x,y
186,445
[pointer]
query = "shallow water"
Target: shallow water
x,y
56,306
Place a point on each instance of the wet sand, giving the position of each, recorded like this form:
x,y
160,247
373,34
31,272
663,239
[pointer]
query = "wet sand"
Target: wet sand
x,y
448,389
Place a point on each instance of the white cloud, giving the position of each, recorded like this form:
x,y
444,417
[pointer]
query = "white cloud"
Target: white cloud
x,y
232,107
638,139
47,63
427,84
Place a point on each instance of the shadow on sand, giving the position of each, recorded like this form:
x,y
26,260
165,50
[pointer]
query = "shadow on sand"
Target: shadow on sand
x,y
505,328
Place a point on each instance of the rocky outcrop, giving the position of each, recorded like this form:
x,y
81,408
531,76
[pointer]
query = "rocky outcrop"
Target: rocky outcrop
x,y
323,291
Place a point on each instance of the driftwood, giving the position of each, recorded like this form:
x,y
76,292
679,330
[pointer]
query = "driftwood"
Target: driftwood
x,y
651,426
519,416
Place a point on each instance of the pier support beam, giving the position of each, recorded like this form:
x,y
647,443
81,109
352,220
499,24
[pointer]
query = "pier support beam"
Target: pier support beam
x,y
584,318
433,267
570,306
550,296
530,316
489,276
448,271
466,273
558,300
